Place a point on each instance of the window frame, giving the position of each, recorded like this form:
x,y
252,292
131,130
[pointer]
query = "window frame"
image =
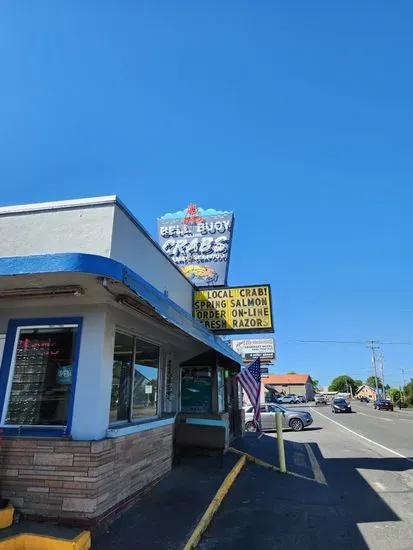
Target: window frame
x,y
223,408
7,373
135,421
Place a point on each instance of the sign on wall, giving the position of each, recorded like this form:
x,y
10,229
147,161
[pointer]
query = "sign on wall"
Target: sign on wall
x,y
251,349
235,309
198,241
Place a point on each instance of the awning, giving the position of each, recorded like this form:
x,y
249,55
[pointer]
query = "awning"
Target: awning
x,y
212,358
100,266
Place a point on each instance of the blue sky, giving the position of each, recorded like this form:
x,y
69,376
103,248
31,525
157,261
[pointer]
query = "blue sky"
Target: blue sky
x,y
296,116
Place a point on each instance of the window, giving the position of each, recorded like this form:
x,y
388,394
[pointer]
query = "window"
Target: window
x,y
122,378
196,389
134,393
40,381
221,389
145,380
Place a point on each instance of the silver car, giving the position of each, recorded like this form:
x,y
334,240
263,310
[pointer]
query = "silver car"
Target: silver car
x,y
291,419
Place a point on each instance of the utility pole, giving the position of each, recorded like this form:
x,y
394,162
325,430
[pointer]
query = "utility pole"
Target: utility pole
x,y
381,363
372,344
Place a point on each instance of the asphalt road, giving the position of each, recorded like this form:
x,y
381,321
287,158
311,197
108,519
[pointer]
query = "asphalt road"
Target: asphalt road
x,y
359,497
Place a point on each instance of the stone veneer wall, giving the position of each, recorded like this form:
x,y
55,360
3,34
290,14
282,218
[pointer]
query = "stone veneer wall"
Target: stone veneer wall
x,y
81,480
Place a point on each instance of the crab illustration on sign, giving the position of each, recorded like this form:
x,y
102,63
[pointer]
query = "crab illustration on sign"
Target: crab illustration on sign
x,y
192,215
198,241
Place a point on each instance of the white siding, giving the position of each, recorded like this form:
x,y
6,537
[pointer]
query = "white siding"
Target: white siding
x,y
132,248
85,229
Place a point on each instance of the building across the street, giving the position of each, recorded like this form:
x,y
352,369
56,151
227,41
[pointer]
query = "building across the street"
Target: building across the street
x,y
105,373
366,391
298,384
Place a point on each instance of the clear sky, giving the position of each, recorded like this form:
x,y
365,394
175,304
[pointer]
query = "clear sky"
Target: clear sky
x,y
297,116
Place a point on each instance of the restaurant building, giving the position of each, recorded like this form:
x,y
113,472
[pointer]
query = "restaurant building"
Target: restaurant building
x,y
104,372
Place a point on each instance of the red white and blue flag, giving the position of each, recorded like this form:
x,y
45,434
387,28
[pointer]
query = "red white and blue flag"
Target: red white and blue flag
x,y
250,380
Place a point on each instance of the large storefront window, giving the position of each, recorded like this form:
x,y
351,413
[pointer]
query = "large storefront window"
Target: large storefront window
x,y
135,380
41,376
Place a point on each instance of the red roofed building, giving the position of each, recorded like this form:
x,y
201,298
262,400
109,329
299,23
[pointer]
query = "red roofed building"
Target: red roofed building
x,y
298,384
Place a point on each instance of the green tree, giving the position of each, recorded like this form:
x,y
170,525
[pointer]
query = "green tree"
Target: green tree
x,y
343,383
292,372
371,381
315,382
358,382
394,394
408,392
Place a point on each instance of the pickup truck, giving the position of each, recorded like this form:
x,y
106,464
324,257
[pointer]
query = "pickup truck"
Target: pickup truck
x,y
320,399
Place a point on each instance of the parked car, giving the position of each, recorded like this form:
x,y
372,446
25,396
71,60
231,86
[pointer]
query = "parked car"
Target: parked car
x,y
301,399
288,399
364,400
320,399
340,405
383,405
291,419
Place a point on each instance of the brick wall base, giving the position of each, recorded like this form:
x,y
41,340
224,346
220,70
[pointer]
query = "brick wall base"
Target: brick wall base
x,y
79,482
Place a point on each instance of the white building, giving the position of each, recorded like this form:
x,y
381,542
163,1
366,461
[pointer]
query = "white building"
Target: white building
x,y
100,349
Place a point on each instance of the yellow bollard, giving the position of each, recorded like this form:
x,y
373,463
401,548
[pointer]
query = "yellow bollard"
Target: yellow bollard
x,y
280,440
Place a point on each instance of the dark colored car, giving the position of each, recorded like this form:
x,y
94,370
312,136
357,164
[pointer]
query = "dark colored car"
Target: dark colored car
x,y
340,406
383,405
364,400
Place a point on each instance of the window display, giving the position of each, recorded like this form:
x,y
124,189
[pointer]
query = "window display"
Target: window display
x,y
41,376
196,389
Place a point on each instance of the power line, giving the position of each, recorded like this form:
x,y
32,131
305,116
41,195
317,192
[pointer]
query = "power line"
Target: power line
x,y
351,342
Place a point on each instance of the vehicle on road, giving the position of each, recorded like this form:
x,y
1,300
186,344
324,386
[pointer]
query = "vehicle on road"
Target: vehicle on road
x,y
340,406
291,419
301,399
383,405
320,399
364,400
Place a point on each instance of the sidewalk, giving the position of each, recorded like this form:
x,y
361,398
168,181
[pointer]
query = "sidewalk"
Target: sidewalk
x,y
265,448
166,516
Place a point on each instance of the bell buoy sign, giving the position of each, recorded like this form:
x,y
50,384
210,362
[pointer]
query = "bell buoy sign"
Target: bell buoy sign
x,y
199,242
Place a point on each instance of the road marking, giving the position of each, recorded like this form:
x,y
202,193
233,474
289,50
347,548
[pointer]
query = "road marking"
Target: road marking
x,y
318,473
299,459
379,486
379,417
215,504
256,460
365,438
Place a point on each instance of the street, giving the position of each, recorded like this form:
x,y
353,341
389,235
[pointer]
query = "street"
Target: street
x,y
358,495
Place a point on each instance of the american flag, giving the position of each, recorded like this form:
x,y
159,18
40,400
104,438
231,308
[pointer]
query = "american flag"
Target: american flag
x,y
250,380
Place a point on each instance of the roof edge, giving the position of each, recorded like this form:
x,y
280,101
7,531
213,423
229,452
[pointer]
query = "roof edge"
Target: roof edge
x,y
84,203
102,266
57,205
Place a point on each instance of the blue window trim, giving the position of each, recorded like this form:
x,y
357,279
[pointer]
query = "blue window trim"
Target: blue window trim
x,y
14,324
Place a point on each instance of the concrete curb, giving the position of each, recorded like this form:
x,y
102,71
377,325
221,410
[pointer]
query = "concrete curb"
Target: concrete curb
x,y
30,541
6,516
318,474
215,504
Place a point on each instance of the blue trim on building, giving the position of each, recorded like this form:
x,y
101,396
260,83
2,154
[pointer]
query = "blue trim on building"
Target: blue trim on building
x,y
206,422
134,428
106,267
13,325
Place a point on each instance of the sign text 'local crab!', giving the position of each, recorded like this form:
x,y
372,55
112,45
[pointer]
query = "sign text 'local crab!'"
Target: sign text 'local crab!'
x,y
235,309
